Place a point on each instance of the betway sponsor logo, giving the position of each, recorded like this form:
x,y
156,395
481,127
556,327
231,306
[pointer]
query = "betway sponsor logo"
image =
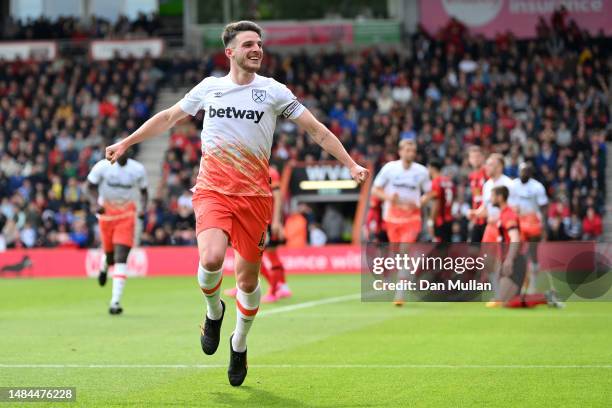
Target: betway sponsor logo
x,y
231,112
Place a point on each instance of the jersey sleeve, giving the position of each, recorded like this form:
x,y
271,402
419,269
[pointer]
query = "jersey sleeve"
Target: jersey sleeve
x,y
286,103
382,178
193,101
97,172
541,197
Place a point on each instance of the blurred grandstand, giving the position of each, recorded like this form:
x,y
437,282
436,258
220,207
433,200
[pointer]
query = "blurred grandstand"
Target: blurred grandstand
x,y
545,100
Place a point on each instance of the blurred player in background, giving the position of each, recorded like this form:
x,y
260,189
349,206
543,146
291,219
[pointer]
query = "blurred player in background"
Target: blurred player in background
x,y
441,195
494,167
477,178
401,184
232,198
514,264
114,190
275,275
531,203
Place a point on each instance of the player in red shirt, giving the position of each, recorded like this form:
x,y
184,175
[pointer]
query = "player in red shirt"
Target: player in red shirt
x,y
514,263
232,198
441,194
477,179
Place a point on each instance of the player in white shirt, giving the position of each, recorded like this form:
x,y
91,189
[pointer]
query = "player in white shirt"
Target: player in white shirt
x,y
232,198
114,190
401,184
530,201
494,167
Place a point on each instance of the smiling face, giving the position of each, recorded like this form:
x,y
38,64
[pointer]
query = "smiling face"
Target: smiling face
x,y
246,51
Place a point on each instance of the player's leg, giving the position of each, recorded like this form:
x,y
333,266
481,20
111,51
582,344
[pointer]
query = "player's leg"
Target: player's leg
x,y
212,246
282,290
213,229
407,234
270,277
108,259
248,298
511,283
123,241
120,255
249,224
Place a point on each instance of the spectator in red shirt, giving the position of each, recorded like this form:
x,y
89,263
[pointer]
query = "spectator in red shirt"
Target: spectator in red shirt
x,y
592,227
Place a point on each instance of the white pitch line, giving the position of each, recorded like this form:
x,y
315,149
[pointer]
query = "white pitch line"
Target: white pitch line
x,y
305,305
308,366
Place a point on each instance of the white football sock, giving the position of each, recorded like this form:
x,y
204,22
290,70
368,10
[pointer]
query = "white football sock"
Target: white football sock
x,y
247,305
210,284
119,277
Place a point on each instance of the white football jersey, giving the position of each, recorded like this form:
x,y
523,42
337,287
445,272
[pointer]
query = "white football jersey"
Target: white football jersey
x,y
118,184
237,133
528,197
487,188
410,184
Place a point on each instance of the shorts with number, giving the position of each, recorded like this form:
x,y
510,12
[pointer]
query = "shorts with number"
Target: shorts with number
x,y
243,218
117,226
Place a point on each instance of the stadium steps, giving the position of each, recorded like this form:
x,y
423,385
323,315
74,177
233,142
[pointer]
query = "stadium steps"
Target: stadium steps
x,y
152,152
608,215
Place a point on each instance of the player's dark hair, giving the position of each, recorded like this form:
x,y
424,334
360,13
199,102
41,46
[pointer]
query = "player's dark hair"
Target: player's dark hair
x,y
232,29
435,163
502,191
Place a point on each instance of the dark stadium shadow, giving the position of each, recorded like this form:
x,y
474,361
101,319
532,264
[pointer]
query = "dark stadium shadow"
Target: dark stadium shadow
x,y
257,398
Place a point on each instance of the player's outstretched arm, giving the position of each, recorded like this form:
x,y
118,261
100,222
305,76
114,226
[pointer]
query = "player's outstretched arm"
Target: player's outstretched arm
x,y
157,124
330,143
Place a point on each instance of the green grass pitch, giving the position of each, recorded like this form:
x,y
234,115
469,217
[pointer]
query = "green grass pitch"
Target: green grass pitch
x,y
329,350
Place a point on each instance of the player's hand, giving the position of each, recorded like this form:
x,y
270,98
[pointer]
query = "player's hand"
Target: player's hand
x,y
99,209
141,215
359,174
115,151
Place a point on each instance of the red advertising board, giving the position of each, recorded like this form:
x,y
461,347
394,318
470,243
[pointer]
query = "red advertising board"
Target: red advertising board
x,y
336,259
489,17
162,261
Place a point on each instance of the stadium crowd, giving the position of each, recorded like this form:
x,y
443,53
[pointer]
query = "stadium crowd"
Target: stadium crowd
x,y
55,120
453,91
76,29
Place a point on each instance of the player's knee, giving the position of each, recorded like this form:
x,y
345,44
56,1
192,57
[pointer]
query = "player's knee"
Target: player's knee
x,y
247,285
212,260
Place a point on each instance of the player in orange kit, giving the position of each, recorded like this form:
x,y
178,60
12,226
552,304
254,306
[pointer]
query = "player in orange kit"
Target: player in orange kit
x,y
114,190
232,197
